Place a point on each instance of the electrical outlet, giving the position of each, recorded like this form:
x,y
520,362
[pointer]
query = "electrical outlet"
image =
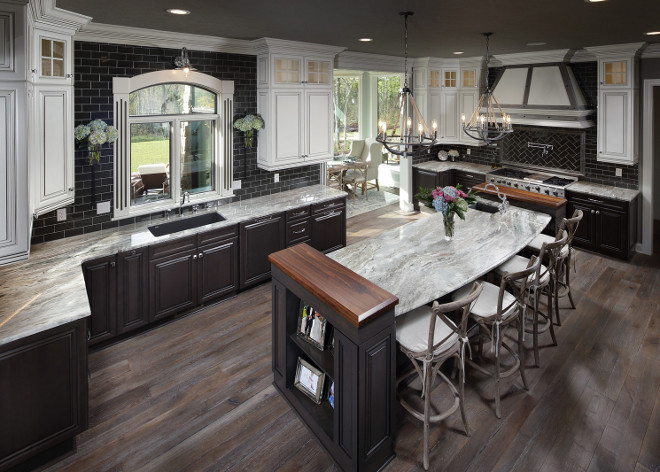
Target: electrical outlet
x,y
276,178
61,214
618,172
102,208
236,185
468,150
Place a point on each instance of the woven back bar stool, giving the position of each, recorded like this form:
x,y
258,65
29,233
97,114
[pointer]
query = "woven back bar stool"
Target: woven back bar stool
x,y
429,338
495,309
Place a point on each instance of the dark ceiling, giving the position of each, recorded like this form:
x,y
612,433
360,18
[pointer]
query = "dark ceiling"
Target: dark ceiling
x,y
437,29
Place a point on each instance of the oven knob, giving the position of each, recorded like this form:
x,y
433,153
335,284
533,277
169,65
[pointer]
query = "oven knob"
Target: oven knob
x,y
492,180
509,184
538,189
554,193
527,187
547,191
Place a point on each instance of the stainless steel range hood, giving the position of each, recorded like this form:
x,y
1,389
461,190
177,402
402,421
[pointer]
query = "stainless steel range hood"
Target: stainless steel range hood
x,y
542,95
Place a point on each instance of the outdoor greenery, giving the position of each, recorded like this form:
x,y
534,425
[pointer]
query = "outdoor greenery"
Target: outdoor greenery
x,y
388,98
154,151
347,109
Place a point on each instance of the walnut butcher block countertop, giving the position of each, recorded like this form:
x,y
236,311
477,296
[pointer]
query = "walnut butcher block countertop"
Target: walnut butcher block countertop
x,y
523,196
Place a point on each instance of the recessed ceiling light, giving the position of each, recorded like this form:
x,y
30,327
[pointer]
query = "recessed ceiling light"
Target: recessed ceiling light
x,y
652,33
178,11
537,43
365,40
458,52
594,1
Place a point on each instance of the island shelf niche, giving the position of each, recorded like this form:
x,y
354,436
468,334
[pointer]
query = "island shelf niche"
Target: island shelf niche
x,y
358,433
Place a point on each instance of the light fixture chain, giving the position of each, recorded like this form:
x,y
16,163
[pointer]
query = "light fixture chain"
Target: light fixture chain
x,y
405,51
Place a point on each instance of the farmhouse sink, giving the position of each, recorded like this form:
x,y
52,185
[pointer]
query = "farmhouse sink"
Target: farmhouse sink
x,y
185,223
485,207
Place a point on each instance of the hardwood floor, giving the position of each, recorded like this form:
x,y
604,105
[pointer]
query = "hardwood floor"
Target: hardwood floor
x,y
196,394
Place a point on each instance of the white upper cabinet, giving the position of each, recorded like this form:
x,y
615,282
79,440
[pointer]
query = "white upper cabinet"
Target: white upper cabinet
x,y
618,90
52,58
294,97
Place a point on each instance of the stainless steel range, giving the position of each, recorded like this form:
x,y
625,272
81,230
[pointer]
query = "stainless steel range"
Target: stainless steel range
x,y
532,181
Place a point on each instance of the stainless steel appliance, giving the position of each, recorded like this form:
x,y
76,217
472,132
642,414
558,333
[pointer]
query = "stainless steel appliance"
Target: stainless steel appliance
x,y
532,181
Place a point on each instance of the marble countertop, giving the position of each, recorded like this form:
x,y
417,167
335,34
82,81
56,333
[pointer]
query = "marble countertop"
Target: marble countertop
x,y
415,263
48,290
441,166
607,191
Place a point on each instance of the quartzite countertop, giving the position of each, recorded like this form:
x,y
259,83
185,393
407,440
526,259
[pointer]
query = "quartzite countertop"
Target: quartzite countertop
x,y
442,166
48,290
606,191
416,264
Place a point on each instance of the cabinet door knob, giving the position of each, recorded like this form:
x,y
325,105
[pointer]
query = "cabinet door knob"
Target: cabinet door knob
x,y
113,264
593,211
194,257
201,255
597,212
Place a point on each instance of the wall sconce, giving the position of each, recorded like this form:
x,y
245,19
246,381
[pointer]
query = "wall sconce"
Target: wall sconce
x,y
182,62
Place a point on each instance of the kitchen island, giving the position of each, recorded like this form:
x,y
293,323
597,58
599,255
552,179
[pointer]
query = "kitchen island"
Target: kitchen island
x,y
357,289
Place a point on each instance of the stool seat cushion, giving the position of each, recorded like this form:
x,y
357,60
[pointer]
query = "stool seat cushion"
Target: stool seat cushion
x,y
538,241
518,264
486,305
412,331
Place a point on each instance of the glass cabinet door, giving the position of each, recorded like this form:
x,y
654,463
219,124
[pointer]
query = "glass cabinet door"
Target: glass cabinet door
x,y
287,70
318,72
615,73
52,58
434,78
450,79
469,78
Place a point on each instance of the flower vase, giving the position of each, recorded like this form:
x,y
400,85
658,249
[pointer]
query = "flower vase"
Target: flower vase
x,y
94,154
449,224
249,138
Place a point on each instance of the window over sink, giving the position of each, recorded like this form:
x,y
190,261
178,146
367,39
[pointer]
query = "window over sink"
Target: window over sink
x,y
175,136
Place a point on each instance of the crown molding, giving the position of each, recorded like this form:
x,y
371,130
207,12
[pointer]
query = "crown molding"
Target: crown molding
x,y
535,57
283,46
369,62
104,33
651,51
45,14
616,50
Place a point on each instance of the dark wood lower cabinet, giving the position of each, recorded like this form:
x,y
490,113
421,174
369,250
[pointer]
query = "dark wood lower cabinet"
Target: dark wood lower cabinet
x,y
132,290
358,433
43,392
258,239
608,226
329,225
467,179
217,270
100,281
172,281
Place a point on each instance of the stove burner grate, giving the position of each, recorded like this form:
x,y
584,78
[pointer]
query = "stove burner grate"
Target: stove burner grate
x,y
558,181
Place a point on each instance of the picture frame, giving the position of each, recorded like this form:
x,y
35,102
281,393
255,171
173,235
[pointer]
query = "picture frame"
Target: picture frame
x,y
312,326
309,380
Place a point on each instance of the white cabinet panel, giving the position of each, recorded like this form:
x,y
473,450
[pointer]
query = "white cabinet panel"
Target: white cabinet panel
x,y
449,122
52,155
319,138
614,124
14,223
287,125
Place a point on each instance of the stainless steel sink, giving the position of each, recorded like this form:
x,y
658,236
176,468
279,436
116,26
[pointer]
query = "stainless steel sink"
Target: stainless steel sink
x,y
185,223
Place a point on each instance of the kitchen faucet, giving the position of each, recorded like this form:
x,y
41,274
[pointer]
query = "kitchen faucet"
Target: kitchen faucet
x,y
183,200
504,206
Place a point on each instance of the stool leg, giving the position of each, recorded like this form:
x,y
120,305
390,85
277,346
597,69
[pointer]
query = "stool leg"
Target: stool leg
x,y
461,395
549,313
535,331
497,382
568,281
521,350
427,412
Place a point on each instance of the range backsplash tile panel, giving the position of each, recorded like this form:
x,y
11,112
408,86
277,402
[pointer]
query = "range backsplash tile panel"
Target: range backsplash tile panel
x,y
567,148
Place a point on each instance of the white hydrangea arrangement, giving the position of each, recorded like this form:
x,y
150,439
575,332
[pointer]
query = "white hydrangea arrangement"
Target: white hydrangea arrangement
x,y
249,124
94,135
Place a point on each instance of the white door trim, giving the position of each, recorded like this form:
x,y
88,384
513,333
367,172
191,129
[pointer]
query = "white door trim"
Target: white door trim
x,y
646,177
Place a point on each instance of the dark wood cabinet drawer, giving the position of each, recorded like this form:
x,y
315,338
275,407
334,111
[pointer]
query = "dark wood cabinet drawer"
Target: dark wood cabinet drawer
x,y
298,231
468,179
298,213
328,206
166,249
218,235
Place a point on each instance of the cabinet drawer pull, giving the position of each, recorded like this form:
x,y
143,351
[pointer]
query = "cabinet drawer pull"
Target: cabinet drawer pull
x,y
263,218
299,232
594,200
300,213
469,176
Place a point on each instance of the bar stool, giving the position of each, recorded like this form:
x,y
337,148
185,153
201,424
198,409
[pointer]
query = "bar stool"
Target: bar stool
x,y
564,280
428,338
495,309
544,281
